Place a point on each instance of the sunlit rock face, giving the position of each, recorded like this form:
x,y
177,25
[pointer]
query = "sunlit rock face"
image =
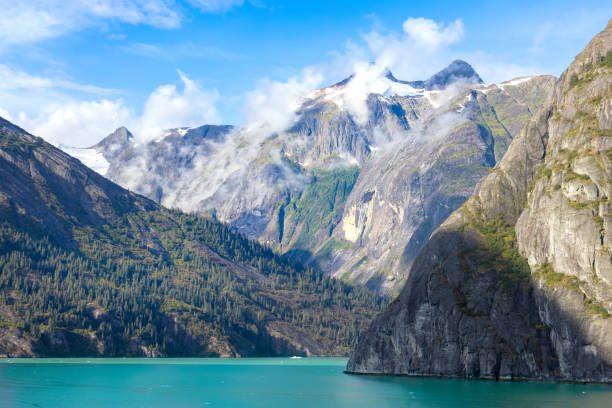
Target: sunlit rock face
x,y
404,193
515,284
364,172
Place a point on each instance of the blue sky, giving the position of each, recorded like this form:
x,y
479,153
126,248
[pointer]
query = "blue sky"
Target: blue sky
x,y
71,71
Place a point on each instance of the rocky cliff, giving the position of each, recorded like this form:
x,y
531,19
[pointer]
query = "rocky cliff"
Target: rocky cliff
x,y
516,283
351,188
402,196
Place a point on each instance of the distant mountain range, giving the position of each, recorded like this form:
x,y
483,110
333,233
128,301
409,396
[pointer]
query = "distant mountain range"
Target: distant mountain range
x,y
91,269
351,194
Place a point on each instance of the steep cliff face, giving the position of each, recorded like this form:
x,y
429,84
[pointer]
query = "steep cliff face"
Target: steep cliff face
x,y
401,197
329,133
352,186
484,301
563,231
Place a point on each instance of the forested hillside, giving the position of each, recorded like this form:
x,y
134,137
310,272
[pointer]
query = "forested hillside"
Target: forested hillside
x,y
88,268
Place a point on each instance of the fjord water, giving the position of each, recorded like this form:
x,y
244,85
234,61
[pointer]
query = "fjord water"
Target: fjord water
x,y
261,382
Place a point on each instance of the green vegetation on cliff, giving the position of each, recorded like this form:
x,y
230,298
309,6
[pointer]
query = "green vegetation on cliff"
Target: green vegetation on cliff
x,y
498,252
309,218
553,280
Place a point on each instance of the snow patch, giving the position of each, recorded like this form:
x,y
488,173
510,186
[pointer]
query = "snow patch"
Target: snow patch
x,y
515,81
89,157
486,89
381,86
183,131
433,98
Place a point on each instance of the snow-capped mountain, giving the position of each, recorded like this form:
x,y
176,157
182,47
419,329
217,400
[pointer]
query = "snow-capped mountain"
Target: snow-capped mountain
x,y
370,165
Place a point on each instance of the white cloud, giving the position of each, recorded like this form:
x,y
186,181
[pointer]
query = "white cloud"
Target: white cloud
x,y
77,123
40,106
28,21
167,108
418,51
273,104
269,110
428,33
21,24
422,48
5,114
16,79
158,13
11,79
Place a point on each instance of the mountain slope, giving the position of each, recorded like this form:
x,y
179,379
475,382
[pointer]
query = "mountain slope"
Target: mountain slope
x,y
301,191
89,268
516,283
402,196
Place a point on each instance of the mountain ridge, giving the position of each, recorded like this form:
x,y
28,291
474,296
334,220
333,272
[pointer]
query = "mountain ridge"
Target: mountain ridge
x,y
327,136
515,284
91,269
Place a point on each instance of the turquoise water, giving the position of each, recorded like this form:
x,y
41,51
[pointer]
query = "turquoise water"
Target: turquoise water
x,y
264,382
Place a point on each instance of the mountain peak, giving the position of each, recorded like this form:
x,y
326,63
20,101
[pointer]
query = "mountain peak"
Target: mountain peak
x,y
119,138
456,70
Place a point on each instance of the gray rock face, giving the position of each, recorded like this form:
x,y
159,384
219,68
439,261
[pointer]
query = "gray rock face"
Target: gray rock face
x,y
482,301
156,168
563,231
115,143
457,321
420,150
326,130
457,70
412,190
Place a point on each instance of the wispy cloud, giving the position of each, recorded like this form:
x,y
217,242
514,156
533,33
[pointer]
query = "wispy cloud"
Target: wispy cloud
x,y
145,50
192,50
76,123
216,6
64,120
29,21
542,32
183,50
431,34
12,79
167,108
421,47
